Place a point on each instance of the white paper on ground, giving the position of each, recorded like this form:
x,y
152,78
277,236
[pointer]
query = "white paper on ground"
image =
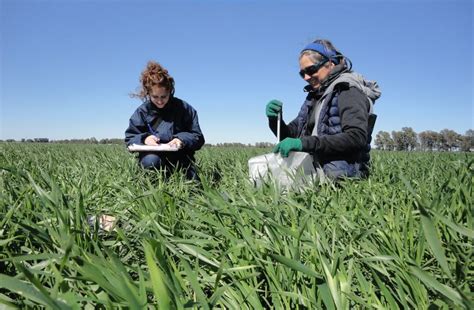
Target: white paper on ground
x,y
152,148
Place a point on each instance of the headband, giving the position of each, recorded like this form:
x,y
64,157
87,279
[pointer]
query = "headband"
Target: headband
x,y
324,51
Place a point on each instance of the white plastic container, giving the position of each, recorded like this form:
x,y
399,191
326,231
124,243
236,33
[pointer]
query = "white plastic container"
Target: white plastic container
x,y
295,169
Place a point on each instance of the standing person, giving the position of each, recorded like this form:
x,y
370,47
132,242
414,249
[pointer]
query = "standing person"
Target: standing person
x,y
335,122
163,118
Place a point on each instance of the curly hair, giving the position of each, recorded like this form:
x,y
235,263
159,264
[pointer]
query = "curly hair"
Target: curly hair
x,y
154,74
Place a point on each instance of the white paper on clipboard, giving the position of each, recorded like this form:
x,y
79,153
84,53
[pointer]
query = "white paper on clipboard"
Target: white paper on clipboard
x,y
152,148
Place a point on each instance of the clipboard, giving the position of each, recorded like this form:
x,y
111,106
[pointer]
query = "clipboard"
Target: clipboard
x,y
152,148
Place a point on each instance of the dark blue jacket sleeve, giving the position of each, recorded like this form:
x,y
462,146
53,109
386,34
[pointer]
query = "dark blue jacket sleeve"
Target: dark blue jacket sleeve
x,y
192,138
137,131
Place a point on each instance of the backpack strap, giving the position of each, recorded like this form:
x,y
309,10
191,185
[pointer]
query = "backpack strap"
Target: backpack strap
x,y
370,128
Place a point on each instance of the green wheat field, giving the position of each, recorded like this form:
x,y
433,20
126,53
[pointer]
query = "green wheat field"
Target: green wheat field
x,y
401,239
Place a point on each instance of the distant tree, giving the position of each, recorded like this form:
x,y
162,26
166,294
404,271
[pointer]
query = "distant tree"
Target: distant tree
x,y
116,141
383,141
405,140
450,139
470,135
41,140
438,140
467,141
409,138
428,140
397,138
109,141
10,140
264,144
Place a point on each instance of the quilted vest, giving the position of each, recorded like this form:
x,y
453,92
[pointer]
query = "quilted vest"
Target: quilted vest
x,y
329,122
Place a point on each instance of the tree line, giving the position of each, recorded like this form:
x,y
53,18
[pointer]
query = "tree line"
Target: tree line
x,y
238,144
408,140
72,141
405,140
121,142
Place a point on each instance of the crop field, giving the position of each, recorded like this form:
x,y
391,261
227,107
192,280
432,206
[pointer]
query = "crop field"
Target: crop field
x,y
401,239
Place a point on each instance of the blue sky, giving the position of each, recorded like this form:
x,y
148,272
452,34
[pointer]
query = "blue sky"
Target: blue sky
x,y
68,67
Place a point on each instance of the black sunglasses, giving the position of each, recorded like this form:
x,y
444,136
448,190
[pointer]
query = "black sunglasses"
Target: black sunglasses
x,y
310,70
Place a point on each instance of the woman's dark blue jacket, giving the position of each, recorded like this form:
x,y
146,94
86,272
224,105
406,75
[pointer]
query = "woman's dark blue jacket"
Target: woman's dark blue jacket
x,y
177,119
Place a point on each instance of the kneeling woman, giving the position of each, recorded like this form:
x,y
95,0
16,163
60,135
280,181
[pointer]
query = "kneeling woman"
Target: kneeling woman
x,y
164,119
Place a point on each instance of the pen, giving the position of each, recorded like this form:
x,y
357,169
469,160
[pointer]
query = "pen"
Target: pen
x,y
150,129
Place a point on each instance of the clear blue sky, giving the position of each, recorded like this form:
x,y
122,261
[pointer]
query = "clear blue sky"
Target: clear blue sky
x,y
67,67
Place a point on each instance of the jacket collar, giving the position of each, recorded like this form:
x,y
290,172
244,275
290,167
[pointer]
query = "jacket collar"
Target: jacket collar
x,y
153,109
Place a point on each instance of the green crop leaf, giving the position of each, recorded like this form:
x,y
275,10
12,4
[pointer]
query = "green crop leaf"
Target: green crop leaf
x,y
159,287
431,235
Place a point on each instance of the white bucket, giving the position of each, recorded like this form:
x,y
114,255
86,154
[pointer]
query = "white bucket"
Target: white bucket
x,y
295,169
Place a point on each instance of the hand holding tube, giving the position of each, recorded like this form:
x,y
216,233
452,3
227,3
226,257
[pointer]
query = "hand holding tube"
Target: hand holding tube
x,y
273,108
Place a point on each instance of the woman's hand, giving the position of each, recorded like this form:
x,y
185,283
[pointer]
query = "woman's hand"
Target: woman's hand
x,y
176,143
152,140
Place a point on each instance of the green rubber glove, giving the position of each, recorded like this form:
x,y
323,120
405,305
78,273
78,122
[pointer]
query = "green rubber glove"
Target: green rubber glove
x,y
288,145
273,108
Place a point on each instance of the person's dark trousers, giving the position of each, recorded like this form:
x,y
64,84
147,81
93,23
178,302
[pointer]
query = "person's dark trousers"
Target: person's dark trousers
x,y
340,169
169,161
